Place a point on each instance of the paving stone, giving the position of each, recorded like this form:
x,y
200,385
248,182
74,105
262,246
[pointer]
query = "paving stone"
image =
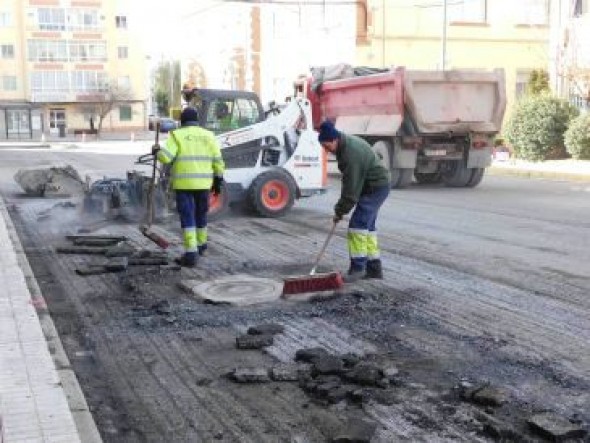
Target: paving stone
x,y
489,396
250,375
555,427
309,355
254,341
328,365
117,264
266,329
350,360
285,372
366,374
356,431
121,250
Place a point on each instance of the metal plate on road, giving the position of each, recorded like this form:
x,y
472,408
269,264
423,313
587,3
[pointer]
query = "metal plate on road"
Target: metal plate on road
x,y
238,290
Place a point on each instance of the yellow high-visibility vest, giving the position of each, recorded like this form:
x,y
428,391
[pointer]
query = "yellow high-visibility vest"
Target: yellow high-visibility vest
x,y
195,156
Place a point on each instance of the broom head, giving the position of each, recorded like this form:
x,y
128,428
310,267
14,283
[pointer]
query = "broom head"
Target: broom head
x,y
312,283
155,237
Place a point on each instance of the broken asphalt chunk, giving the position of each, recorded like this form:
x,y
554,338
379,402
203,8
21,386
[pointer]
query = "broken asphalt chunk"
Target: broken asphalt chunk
x,y
117,264
121,250
482,395
365,374
289,372
356,431
328,365
82,250
250,375
266,329
254,341
309,355
555,427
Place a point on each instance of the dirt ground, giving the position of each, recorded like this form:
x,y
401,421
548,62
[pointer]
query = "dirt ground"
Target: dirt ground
x,y
153,360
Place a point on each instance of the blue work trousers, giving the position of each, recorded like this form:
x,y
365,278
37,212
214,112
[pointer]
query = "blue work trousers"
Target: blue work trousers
x,y
362,232
192,207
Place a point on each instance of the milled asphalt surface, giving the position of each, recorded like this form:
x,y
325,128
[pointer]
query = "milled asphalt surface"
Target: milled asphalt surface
x,y
488,284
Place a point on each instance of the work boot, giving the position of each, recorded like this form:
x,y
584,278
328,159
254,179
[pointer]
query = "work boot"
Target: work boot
x,y
203,251
353,275
188,260
374,269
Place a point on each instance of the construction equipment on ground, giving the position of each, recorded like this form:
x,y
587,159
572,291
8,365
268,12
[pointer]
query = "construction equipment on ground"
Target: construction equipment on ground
x,y
429,125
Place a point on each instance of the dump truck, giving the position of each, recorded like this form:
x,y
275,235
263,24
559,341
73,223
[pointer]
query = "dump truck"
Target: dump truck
x,y
430,126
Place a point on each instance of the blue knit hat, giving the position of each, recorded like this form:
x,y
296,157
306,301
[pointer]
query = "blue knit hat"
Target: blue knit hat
x,y
328,132
189,115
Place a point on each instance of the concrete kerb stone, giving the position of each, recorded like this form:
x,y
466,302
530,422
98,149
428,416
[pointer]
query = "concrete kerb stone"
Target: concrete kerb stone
x,y
79,409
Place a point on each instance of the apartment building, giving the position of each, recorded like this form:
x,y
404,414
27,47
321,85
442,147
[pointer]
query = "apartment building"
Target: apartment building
x,y
480,34
570,57
61,61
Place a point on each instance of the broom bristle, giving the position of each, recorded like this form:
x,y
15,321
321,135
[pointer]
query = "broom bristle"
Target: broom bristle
x,y
313,283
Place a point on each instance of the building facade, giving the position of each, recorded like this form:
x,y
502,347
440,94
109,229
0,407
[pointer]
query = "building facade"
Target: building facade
x,y
479,34
63,62
569,54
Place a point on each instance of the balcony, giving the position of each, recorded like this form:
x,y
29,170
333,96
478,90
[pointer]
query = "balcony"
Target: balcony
x,y
66,96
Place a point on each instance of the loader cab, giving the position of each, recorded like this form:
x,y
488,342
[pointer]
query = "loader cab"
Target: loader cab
x,y
225,110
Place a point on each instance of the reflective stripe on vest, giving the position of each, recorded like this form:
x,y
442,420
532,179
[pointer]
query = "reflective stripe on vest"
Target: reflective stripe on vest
x,y
192,175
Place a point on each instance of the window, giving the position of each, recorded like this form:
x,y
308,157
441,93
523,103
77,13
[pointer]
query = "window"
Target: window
x,y
50,81
51,19
125,113
522,80
47,50
88,51
228,115
57,118
468,11
17,121
83,20
121,21
123,51
7,51
531,12
85,81
9,82
5,19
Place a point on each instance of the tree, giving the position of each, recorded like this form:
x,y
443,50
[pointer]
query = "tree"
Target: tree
x,y
102,103
167,86
538,82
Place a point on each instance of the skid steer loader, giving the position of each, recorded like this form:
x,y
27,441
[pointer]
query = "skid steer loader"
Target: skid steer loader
x,y
271,157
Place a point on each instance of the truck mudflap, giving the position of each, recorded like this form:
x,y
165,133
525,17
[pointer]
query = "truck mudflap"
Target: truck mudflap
x,y
479,158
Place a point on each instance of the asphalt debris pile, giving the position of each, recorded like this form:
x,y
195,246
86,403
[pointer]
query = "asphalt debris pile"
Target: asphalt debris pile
x,y
57,181
120,254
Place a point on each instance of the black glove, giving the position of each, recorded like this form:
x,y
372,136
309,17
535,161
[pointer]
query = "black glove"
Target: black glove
x,y
217,185
155,149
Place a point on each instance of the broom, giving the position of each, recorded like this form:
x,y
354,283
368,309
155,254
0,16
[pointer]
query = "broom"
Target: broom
x,y
314,282
146,229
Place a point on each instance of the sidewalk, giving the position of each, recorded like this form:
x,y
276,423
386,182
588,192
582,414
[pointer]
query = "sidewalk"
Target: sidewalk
x,y
34,395
566,170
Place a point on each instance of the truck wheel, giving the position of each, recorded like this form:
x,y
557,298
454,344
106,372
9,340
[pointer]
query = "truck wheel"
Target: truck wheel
x,y
455,174
272,193
426,178
218,205
401,178
476,177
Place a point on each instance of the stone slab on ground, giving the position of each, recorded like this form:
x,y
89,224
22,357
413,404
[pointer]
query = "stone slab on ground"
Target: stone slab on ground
x,y
250,375
254,341
555,427
266,328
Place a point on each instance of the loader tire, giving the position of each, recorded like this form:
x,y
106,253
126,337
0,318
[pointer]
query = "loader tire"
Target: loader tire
x,y
476,177
218,205
425,178
272,193
456,175
401,177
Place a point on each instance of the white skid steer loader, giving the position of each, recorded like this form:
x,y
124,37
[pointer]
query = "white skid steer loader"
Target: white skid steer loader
x,y
272,158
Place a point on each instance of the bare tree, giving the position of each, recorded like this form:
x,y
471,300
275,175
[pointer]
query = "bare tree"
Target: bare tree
x,y
101,104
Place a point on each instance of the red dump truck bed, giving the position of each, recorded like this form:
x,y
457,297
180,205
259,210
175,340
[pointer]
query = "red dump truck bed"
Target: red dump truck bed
x,y
438,101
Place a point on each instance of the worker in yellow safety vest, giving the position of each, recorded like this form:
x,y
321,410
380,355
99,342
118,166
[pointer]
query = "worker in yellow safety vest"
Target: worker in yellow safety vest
x,y
197,169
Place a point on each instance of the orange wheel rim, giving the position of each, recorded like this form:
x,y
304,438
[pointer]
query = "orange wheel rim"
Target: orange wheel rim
x,y
275,195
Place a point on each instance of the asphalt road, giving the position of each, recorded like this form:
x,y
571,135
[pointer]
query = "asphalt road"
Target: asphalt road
x,y
489,283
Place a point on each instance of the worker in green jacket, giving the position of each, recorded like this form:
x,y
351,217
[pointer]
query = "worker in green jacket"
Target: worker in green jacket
x,y
197,169
365,186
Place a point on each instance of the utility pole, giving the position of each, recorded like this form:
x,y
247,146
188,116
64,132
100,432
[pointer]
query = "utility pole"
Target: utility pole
x,y
383,35
443,60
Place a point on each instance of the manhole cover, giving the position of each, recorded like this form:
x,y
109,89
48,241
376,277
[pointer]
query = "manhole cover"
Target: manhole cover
x,y
238,290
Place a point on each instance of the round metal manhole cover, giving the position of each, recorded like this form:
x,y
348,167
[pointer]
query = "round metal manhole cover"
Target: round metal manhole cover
x,y
239,290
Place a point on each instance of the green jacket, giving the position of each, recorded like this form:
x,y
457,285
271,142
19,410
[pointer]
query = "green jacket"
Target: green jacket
x,y
361,170
195,156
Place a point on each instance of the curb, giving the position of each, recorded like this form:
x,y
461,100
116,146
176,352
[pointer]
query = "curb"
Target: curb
x,y
533,174
25,146
87,430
